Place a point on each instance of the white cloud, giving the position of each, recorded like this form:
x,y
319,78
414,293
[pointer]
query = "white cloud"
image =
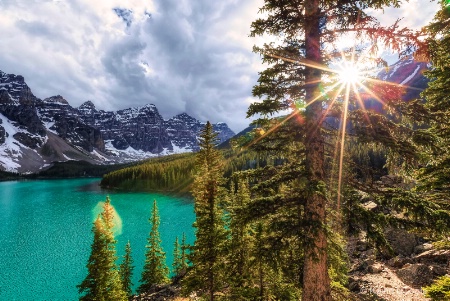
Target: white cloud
x,y
191,56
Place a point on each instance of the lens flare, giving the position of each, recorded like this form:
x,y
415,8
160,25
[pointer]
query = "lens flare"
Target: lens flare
x,y
349,82
349,73
117,221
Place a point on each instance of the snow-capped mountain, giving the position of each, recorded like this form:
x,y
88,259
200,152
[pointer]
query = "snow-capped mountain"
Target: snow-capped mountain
x,y
34,132
409,74
183,130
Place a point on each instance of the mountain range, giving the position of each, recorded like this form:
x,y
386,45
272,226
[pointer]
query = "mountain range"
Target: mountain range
x,y
34,133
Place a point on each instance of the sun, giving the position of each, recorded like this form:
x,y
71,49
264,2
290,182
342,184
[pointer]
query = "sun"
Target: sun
x,y
349,73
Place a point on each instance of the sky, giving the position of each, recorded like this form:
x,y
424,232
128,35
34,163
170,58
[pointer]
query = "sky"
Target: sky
x,y
192,56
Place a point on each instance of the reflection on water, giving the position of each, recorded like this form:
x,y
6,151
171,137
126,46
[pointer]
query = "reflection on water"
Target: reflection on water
x,y
92,186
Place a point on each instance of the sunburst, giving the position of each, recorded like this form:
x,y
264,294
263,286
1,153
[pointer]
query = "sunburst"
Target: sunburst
x,y
349,74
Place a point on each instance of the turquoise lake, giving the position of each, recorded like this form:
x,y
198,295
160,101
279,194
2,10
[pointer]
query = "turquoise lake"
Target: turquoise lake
x,y
45,233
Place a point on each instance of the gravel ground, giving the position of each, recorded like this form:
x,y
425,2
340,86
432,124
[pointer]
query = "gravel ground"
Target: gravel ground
x,y
388,286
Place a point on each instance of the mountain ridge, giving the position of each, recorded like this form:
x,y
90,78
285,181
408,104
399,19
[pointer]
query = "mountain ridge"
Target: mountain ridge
x,y
34,133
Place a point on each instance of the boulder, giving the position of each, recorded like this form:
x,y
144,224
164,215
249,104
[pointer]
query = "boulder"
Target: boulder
x,y
422,248
399,261
416,275
375,268
434,257
401,241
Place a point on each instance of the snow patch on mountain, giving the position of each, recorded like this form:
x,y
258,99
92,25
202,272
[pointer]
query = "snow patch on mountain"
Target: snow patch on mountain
x,y
10,151
180,150
410,77
36,132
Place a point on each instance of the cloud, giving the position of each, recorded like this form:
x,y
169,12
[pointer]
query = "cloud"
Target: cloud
x,y
413,14
191,56
125,14
197,48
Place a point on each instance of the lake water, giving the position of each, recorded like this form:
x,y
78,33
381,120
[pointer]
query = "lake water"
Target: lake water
x,y
45,233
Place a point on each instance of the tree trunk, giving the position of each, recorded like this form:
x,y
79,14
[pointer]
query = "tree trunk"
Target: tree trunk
x,y
316,282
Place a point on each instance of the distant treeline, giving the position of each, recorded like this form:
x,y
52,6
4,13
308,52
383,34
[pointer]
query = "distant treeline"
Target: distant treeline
x,y
67,169
170,173
174,173
77,169
7,176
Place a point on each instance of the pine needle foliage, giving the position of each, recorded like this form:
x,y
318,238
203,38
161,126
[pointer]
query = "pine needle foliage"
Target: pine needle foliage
x,y
293,198
242,238
103,280
177,264
439,290
155,270
205,275
435,175
180,258
126,270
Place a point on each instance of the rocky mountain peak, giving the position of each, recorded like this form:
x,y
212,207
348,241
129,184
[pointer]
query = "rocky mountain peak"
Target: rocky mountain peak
x,y
149,106
88,105
34,132
58,99
185,117
14,89
408,73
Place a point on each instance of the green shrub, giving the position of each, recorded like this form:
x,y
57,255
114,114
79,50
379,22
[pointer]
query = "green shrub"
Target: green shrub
x,y
439,290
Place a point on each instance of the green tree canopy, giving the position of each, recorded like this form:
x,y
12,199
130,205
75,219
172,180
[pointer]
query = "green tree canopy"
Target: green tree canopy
x,y
206,256
126,270
155,270
317,171
102,282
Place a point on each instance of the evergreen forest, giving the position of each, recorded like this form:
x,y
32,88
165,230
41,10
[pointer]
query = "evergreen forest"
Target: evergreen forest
x,y
277,210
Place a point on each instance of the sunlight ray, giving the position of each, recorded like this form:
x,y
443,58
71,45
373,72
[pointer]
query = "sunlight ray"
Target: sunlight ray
x,y
361,102
302,61
349,76
343,132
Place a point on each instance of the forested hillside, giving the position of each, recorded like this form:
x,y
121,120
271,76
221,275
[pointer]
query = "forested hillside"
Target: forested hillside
x,y
174,173
169,173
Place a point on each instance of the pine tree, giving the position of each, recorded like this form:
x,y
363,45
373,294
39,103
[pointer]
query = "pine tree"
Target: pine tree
x,y
155,269
259,253
177,264
436,173
103,280
206,256
184,255
241,244
307,33
126,270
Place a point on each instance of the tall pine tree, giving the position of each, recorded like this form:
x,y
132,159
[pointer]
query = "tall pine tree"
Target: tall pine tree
x,y
177,264
184,254
155,270
103,280
207,254
308,33
126,270
436,174
241,243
